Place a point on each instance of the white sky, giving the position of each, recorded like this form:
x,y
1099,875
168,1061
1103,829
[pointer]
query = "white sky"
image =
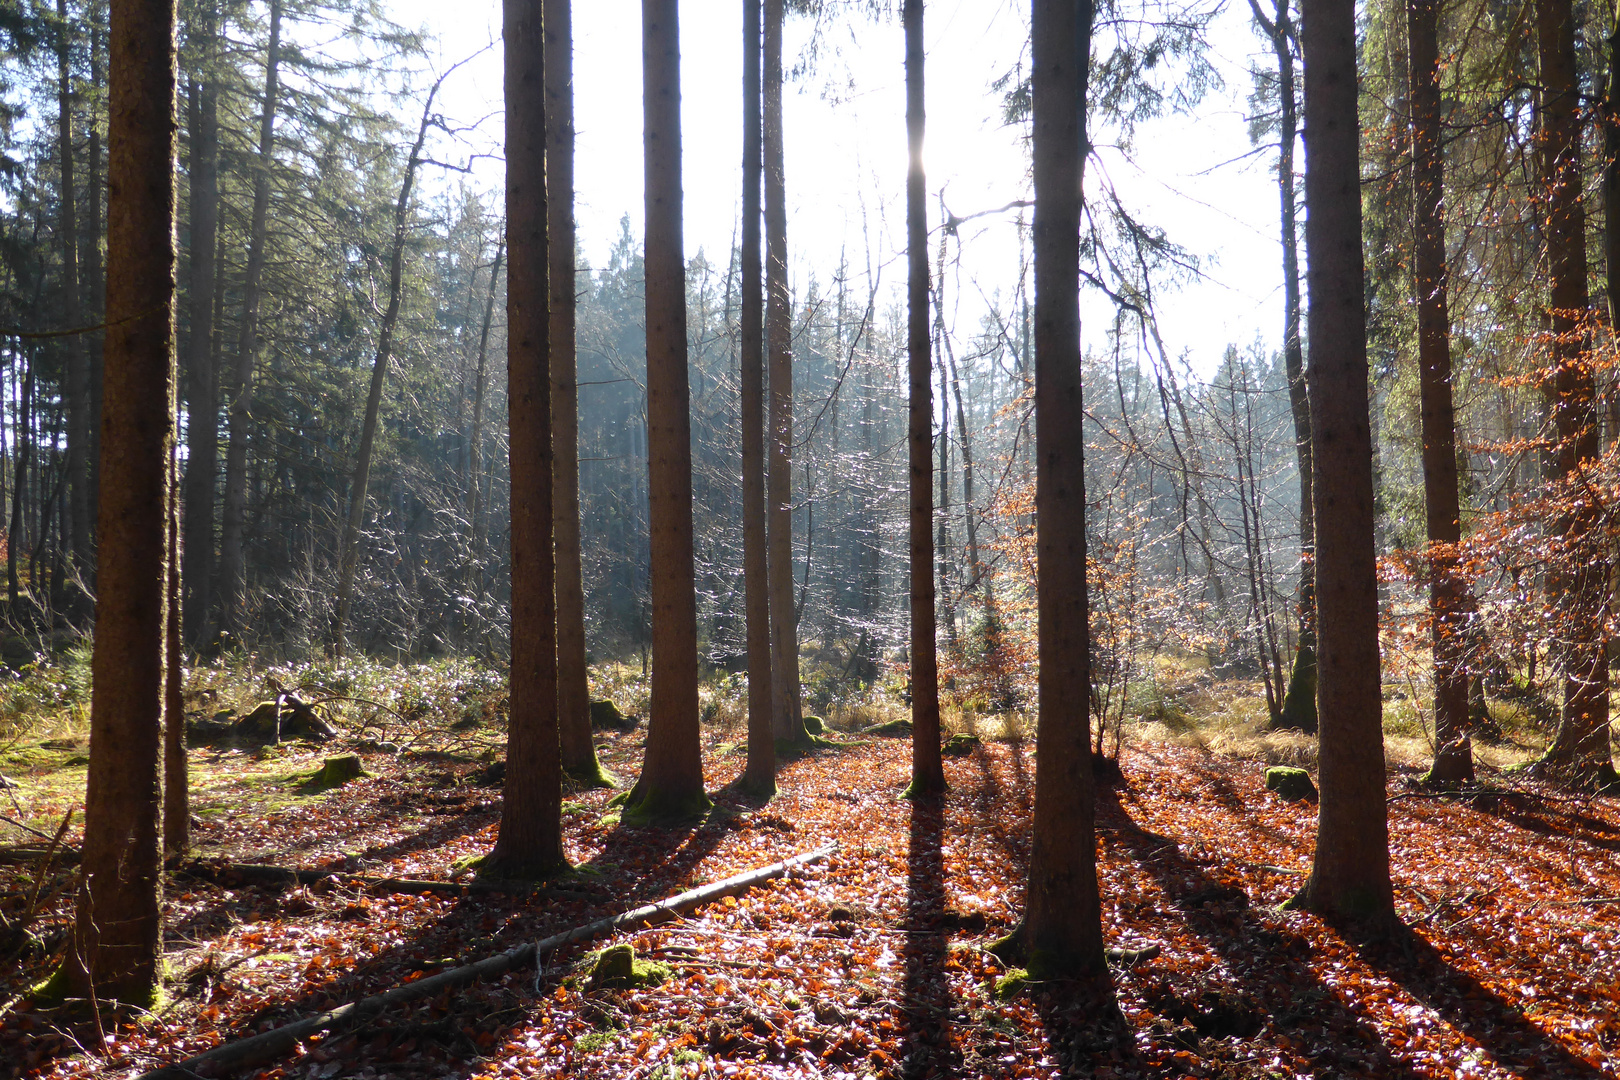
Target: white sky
x,y
846,159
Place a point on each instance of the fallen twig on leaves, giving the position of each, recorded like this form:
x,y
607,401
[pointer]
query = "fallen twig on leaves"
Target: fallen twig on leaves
x,y
271,1044
219,873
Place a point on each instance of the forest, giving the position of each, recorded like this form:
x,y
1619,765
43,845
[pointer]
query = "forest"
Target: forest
x,y
432,650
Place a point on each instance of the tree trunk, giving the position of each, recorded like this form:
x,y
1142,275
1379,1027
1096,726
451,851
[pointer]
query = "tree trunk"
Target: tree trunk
x,y
1578,589
1350,872
232,569
78,387
573,690
787,709
760,774
530,841
1061,934
1299,704
927,765
19,488
350,551
202,427
1448,609
117,933
671,783
93,280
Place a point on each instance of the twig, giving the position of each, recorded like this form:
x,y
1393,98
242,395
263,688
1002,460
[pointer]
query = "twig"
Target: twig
x,y
29,828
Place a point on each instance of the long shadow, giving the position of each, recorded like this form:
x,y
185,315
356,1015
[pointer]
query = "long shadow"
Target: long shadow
x,y
1267,966
1002,811
925,1004
1464,1003
1545,818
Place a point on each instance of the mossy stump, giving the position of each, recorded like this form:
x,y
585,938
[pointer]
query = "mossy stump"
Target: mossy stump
x,y
337,771
605,714
961,744
1290,783
617,967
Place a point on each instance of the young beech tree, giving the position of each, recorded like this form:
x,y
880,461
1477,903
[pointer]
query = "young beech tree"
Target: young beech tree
x,y
1061,933
573,691
927,768
671,783
760,775
1448,614
117,932
530,842
1350,872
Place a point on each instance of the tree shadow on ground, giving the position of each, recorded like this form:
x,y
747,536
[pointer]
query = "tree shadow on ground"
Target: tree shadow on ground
x,y
1464,1002
1269,980
1548,816
926,1004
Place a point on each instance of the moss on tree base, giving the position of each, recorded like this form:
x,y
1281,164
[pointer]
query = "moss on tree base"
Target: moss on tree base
x,y
618,967
657,808
57,991
592,775
493,867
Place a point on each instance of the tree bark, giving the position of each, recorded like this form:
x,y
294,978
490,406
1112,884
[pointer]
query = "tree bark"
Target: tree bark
x,y
1448,609
760,773
202,425
1299,703
117,933
1350,873
787,709
350,550
93,282
530,841
1061,934
232,581
475,469
927,765
671,783
573,690
1578,589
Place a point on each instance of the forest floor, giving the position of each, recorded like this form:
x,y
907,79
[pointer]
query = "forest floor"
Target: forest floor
x,y
869,963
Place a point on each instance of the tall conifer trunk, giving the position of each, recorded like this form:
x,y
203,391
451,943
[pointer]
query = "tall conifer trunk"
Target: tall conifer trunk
x,y
785,703
1578,589
927,766
530,841
117,933
671,783
760,775
573,689
1061,933
1448,614
232,580
1350,871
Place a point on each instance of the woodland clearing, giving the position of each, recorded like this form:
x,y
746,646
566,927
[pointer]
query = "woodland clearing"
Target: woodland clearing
x,y
867,964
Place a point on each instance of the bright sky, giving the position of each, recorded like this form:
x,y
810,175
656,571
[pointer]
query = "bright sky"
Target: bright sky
x,y
846,158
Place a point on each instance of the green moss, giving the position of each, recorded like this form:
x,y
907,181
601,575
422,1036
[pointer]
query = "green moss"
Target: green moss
x,y
57,991
618,967
1290,783
1011,984
915,791
658,808
491,869
592,775
593,1041
610,819
960,745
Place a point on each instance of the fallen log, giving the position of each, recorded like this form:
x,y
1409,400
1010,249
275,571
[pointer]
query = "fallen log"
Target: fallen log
x,y
257,1049
221,873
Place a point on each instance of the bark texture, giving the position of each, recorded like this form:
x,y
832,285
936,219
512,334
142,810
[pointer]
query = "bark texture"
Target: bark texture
x,y
573,691
1062,929
1350,872
117,932
1578,588
530,839
760,774
785,703
671,783
1448,608
927,765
